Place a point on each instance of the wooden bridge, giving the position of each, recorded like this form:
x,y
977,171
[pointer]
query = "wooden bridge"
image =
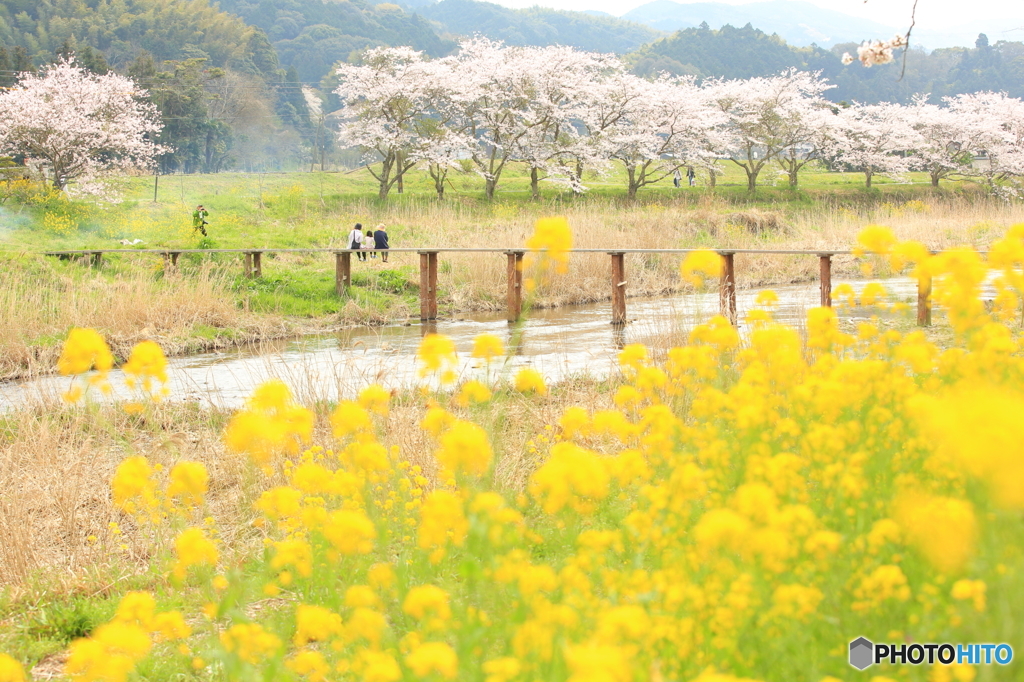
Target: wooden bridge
x,y
253,267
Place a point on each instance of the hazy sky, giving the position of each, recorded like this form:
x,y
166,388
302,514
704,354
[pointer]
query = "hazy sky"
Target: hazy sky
x,y
931,14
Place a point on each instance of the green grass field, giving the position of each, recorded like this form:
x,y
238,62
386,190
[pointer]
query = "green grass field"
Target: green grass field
x,y
316,210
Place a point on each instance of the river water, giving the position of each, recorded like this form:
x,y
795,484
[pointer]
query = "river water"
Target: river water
x,y
560,343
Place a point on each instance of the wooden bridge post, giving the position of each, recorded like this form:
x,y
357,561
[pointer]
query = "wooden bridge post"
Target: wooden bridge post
x,y
248,264
97,258
618,287
174,258
825,267
428,285
257,263
727,289
515,285
342,271
433,285
924,303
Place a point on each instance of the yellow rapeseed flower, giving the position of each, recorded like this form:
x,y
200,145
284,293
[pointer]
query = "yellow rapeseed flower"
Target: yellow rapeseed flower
x,y
944,529
350,531
552,241
146,364
465,449
473,392
442,519
433,657
487,347
309,664
529,380
11,670
110,654
699,264
316,624
876,239
132,486
375,398
189,482
437,354
271,424
193,548
250,642
84,350
427,601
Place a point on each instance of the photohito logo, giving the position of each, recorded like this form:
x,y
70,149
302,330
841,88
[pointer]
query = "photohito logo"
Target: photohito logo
x,y
865,653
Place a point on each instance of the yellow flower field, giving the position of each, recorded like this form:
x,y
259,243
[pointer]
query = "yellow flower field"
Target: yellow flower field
x,y
752,505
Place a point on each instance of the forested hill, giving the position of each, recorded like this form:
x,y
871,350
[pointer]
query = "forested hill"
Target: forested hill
x,y
745,52
242,83
120,29
539,26
312,35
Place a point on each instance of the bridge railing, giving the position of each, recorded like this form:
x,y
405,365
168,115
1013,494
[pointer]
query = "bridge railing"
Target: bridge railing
x,y
253,268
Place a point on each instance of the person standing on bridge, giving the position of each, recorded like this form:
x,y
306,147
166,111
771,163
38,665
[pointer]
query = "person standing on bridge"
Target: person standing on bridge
x,y
199,219
355,241
380,242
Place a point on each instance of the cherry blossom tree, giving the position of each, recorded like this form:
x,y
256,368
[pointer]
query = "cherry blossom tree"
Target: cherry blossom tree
x,y
667,124
383,100
948,139
559,81
876,139
489,95
442,148
767,116
518,104
1001,139
79,124
604,107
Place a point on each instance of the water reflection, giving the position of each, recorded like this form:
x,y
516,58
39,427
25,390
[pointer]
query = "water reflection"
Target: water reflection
x,y
560,342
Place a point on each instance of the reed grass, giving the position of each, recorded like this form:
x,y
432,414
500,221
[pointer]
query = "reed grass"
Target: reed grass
x,y
213,305
56,463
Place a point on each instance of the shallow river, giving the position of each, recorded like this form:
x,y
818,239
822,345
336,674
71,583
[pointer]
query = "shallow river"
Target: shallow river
x,y
561,342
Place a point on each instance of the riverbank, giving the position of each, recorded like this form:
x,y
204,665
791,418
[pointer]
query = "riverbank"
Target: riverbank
x,y
208,304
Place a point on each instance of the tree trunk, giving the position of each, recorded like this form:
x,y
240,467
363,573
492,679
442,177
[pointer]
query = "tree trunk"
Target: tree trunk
x,y
634,185
935,179
579,178
752,179
793,178
401,175
534,184
712,178
867,178
490,184
439,175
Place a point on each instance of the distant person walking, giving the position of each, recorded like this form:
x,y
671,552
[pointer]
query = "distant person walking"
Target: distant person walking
x,y
380,241
368,243
691,176
355,241
199,219
677,177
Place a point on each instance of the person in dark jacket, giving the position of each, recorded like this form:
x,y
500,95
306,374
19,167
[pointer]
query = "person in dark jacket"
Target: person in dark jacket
x,y
380,242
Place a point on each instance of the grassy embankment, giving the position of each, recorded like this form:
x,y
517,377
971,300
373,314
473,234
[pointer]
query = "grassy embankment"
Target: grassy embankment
x,y
296,293
729,513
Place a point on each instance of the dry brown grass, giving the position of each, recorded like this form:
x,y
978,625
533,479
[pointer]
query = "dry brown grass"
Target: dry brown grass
x,y
45,300
40,301
477,281
56,463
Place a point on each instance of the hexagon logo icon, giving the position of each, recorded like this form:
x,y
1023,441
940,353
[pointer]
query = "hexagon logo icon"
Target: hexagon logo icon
x,y
861,653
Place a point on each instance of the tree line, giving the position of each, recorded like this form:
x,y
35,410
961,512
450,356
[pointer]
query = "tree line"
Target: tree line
x,y
561,112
